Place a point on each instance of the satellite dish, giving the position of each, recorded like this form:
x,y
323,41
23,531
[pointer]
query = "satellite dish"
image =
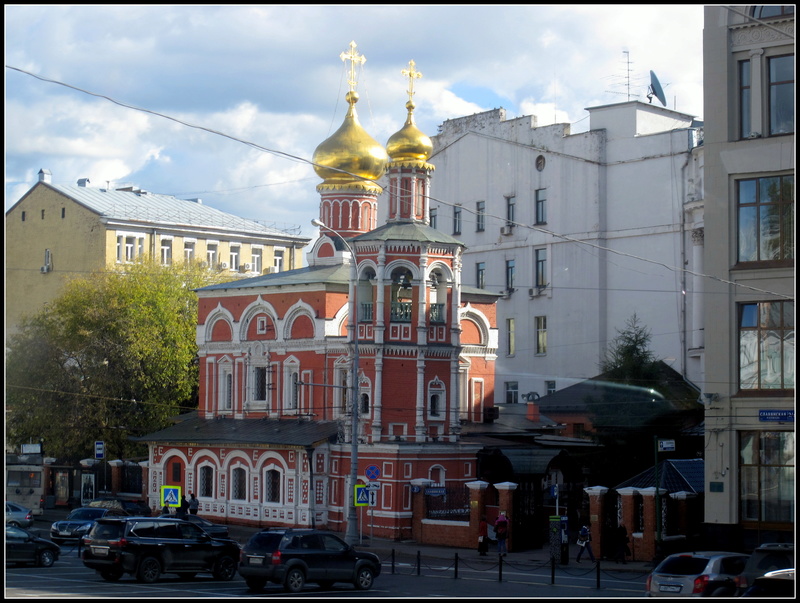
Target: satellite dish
x,y
655,89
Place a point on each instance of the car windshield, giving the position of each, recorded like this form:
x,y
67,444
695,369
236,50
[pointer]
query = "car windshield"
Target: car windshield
x,y
85,514
683,566
266,541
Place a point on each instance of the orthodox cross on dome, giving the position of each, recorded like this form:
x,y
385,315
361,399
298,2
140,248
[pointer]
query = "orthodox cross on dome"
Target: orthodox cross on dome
x,y
411,74
353,56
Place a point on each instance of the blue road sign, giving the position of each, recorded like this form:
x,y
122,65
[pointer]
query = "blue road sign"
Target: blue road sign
x,y
362,496
373,472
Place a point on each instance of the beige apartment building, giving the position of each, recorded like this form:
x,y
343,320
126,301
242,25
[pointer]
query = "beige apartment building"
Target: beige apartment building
x,y
749,388
56,232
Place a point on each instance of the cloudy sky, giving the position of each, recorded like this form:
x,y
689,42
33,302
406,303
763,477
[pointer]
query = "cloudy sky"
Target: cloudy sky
x,y
228,103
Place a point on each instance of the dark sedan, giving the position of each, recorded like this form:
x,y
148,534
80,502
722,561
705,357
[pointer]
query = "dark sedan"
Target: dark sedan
x,y
212,529
23,546
78,523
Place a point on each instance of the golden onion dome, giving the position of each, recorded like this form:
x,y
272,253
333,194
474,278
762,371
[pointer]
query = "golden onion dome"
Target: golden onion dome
x,y
410,143
350,155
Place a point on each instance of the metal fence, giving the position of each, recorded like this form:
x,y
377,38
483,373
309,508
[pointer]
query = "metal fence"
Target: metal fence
x,y
448,504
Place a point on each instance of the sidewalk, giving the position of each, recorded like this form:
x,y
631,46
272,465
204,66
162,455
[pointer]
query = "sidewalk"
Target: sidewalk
x,y
407,551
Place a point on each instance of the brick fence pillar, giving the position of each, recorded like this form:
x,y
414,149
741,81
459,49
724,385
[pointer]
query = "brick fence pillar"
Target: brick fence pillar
x,y
418,507
505,491
597,496
628,497
477,503
650,523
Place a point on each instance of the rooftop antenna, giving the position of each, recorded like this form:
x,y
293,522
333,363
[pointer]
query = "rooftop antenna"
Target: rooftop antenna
x,y
627,77
655,89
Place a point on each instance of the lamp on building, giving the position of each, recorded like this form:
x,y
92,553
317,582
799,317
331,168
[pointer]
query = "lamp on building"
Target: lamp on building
x,y
352,515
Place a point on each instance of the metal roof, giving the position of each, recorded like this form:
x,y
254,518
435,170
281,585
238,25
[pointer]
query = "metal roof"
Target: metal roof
x,y
337,274
224,431
680,475
139,206
408,231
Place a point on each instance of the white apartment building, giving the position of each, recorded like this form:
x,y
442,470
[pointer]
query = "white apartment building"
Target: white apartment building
x,y
579,233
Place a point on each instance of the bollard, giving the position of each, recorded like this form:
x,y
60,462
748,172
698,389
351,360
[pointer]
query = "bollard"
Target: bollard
x,y
597,565
392,561
500,570
456,566
419,563
552,570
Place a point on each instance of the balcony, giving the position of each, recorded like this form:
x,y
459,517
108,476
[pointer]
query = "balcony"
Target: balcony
x,y
365,312
437,314
401,312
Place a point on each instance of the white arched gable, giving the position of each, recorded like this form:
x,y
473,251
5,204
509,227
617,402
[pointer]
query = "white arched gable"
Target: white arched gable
x,y
440,266
298,309
269,460
479,318
217,314
235,457
365,265
394,265
203,456
259,306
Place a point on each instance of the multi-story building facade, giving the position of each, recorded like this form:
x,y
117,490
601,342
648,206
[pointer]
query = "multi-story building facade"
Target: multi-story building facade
x,y
750,308
361,367
57,231
578,232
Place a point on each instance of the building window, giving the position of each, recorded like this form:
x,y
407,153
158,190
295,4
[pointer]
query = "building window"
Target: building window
x,y
256,260
540,278
176,473
432,215
766,346
188,251
166,252
769,12
480,216
512,342
272,486
541,334
235,257
781,95
744,99
541,206
456,220
480,275
512,392
277,260
510,268
239,484
22,215
434,408
206,489
511,211
550,387
211,255
260,383
364,404
766,218
766,490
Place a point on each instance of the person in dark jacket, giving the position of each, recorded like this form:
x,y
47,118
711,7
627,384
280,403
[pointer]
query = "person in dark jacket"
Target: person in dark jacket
x,y
483,537
501,533
585,543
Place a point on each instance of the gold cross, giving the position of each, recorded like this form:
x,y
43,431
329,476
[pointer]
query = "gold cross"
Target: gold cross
x,y
354,58
411,74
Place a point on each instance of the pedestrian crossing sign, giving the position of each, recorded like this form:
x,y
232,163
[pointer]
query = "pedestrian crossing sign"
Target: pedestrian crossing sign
x,y
170,496
361,496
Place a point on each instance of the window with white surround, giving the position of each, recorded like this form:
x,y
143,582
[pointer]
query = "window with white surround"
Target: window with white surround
x,y
188,251
239,484
211,255
256,260
512,337
541,334
512,392
541,206
166,252
235,255
277,260
206,481
766,346
272,485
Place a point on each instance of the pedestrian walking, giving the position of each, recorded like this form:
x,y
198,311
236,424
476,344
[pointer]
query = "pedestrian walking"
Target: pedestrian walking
x,y
483,537
501,533
182,510
194,504
623,550
585,543
165,510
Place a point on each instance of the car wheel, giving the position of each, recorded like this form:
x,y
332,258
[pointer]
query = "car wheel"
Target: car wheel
x,y
364,578
111,576
149,570
295,580
225,568
255,584
14,524
46,558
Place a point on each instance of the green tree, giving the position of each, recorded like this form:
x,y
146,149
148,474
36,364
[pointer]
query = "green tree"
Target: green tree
x,y
113,356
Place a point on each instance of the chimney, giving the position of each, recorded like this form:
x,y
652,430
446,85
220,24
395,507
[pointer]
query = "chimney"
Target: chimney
x,y
83,182
533,412
45,175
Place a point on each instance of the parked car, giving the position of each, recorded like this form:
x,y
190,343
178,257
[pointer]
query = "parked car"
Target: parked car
x,y
78,523
765,558
213,529
23,546
778,583
18,516
292,557
699,574
148,547
132,507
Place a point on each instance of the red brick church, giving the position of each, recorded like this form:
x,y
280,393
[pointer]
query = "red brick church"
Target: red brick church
x,y
272,441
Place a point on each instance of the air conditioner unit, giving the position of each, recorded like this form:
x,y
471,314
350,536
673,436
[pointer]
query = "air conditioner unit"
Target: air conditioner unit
x,y
272,270
506,230
203,264
45,269
245,267
223,265
536,291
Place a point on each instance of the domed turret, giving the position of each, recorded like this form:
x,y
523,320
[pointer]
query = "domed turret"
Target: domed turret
x,y
410,143
350,156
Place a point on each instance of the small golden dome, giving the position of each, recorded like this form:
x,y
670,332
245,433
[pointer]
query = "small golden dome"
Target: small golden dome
x,y
351,154
410,143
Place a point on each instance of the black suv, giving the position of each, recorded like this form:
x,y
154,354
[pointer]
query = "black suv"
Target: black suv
x,y
147,547
292,557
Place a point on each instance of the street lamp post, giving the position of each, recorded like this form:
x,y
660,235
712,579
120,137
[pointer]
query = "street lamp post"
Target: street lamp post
x,y
352,515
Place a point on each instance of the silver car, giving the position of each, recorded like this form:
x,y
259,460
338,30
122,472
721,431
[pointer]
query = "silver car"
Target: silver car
x,y
18,516
698,574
